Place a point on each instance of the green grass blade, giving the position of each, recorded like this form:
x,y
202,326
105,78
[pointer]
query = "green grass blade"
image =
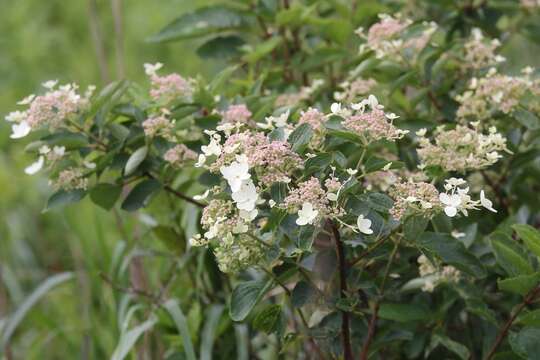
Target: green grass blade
x,y
176,313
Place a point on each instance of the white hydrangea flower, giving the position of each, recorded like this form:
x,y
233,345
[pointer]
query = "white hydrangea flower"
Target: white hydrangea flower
x,y
451,202
246,197
151,69
307,214
236,173
20,130
214,148
364,225
488,204
202,196
35,167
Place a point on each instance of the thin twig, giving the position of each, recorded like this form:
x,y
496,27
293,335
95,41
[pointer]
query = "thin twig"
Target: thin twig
x,y
342,265
529,299
177,193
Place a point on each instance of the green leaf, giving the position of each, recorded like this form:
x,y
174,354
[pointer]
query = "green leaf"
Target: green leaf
x,y
105,195
526,342
521,284
300,137
347,135
13,321
403,312
508,257
452,252
69,140
141,195
531,318
209,331
135,160
129,338
527,119
221,47
302,294
262,49
219,81
170,238
245,296
455,347
530,236
202,21
63,197
177,315
414,226
269,319
317,163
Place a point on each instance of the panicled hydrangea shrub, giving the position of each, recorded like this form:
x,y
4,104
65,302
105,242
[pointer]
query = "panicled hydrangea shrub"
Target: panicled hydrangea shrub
x,y
461,149
352,91
179,156
159,125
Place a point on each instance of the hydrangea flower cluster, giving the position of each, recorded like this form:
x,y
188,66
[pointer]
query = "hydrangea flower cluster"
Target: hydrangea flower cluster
x,y
159,125
309,195
179,155
51,109
492,93
433,276
386,38
481,53
292,99
422,198
369,120
462,148
70,179
316,119
236,114
353,90
165,89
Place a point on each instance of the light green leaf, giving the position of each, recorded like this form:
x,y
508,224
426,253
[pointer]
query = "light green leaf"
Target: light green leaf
x,y
531,318
129,338
262,49
527,119
530,236
203,21
135,160
520,284
221,47
177,315
403,312
268,319
209,331
526,342
17,317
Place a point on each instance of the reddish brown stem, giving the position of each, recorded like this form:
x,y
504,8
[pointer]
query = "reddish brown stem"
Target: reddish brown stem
x,y
345,320
529,299
371,332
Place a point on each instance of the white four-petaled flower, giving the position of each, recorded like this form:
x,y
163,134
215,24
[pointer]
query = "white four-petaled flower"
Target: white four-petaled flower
x,y
364,225
451,202
20,130
246,197
35,167
307,214
488,204
236,173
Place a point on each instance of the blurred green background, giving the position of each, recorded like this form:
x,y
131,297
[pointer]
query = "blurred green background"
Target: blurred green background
x,y
52,39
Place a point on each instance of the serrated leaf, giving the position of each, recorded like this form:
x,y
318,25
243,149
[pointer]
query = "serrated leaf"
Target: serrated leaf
x,y
300,137
245,296
508,258
105,195
530,236
135,160
521,284
268,319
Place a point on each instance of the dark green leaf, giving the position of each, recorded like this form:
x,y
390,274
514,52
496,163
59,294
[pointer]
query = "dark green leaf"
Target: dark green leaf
x,y
403,312
63,197
170,238
141,195
300,137
414,226
105,195
221,47
135,160
302,294
527,119
521,284
513,262
269,319
245,296
530,236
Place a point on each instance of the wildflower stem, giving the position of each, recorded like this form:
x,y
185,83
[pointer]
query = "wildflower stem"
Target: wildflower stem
x,y
529,299
177,193
342,263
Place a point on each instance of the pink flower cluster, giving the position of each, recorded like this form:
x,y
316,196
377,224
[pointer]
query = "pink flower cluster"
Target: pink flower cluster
x,y
316,120
384,30
54,107
70,179
236,114
373,125
480,53
355,89
417,197
159,125
170,87
309,191
179,155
